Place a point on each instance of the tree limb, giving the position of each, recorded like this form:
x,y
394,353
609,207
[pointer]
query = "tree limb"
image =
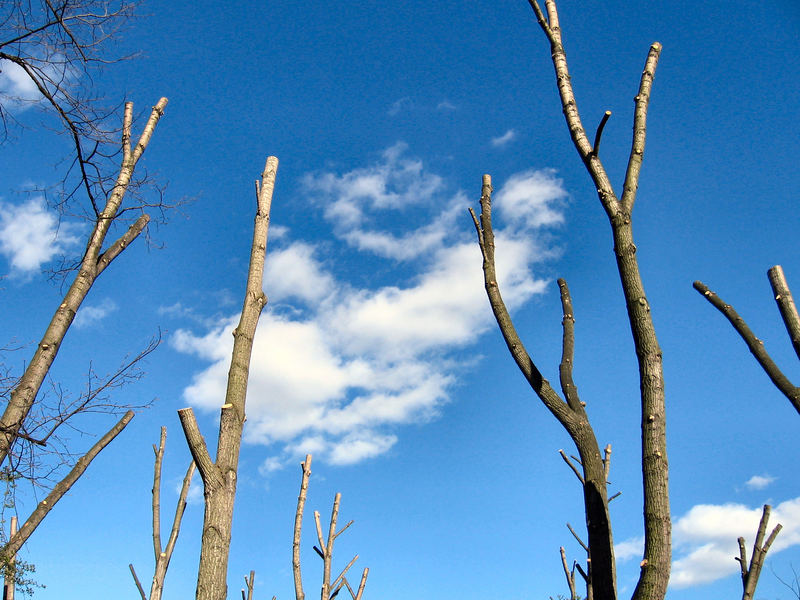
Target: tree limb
x,y
62,487
755,345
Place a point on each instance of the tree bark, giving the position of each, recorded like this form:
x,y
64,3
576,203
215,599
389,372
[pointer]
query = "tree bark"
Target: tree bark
x,y
219,477
94,262
655,565
786,305
162,556
62,487
751,572
570,412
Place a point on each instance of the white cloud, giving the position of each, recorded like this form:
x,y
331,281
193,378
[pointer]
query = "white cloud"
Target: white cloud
x,y
532,199
705,539
18,91
16,87
293,273
358,446
91,315
632,548
759,482
505,139
446,105
340,377
395,182
399,106
31,236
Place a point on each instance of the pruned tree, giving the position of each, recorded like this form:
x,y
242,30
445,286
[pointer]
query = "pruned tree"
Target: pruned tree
x,y
22,428
49,52
325,549
752,571
567,407
788,309
163,554
219,476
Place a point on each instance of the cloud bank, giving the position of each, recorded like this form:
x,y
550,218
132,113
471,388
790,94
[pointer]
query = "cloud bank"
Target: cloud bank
x,y
338,368
705,539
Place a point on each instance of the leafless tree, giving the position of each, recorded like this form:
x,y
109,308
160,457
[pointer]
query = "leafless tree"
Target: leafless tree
x,y
325,549
752,571
567,408
788,310
219,477
163,554
22,426
50,51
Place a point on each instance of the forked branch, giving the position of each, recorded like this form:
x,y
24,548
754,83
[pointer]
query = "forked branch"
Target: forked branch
x,y
751,572
94,261
325,548
570,412
654,575
163,556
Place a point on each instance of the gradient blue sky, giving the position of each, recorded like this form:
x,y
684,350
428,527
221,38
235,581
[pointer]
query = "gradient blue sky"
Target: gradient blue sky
x,y
377,351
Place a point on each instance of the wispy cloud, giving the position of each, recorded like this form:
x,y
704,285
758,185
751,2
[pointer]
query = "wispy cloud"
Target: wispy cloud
x,y
705,539
446,105
30,235
403,104
758,482
339,373
505,139
91,315
18,92
16,88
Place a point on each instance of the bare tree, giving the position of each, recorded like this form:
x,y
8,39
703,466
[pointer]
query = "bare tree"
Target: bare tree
x,y
752,571
219,477
21,426
49,52
163,554
788,310
325,549
568,409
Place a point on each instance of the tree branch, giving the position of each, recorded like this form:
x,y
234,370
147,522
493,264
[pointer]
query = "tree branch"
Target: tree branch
x,y
197,446
755,345
751,574
785,301
62,487
298,525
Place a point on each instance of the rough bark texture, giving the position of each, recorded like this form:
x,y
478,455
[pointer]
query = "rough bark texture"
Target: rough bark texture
x,y
219,476
655,565
94,262
570,411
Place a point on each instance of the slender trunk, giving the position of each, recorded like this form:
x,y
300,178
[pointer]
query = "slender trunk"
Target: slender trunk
x,y
94,262
219,477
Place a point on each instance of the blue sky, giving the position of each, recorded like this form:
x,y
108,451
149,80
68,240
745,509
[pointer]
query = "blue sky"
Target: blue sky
x,y
377,351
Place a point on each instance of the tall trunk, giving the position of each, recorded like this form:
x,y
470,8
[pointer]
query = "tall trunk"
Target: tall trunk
x,y
219,477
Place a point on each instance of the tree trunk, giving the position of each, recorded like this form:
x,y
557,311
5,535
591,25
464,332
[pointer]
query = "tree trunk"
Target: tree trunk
x,y
93,264
219,477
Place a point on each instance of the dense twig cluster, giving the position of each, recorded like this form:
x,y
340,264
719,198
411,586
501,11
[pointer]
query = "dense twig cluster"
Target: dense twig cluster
x,y
49,51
